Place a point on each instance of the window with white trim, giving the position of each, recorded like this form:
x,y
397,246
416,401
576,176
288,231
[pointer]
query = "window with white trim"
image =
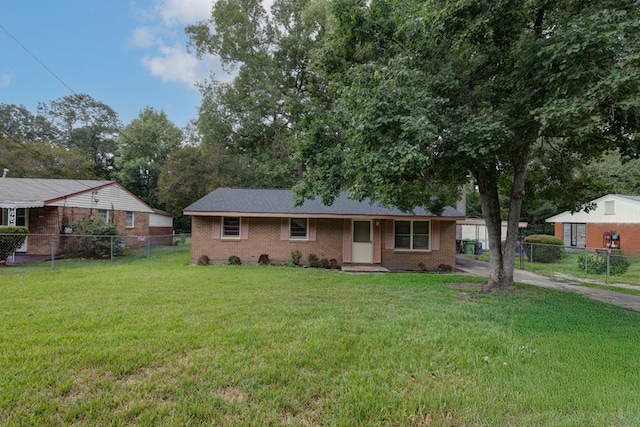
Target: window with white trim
x,y
298,228
231,227
103,215
129,219
412,235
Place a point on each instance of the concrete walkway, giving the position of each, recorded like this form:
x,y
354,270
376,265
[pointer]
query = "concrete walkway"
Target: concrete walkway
x,y
566,284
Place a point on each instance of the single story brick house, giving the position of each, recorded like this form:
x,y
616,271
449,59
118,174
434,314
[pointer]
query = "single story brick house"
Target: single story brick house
x,y
613,221
51,206
251,222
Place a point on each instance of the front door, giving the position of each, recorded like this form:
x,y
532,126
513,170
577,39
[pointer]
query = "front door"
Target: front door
x,y
362,243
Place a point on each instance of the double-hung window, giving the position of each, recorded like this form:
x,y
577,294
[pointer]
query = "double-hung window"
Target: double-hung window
x,y
412,235
129,219
231,227
299,228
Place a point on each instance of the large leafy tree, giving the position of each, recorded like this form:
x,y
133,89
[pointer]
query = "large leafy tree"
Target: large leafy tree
x,y
144,145
84,124
257,115
28,148
432,92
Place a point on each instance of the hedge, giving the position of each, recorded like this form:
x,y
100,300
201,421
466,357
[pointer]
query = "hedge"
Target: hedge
x,y
11,238
543,248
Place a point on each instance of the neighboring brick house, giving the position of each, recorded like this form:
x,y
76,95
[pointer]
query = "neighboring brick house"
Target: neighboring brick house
x,y
51,206
612,221
252,222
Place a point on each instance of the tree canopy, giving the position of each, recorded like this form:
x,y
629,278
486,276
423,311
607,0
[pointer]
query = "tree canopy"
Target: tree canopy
x,y
430,93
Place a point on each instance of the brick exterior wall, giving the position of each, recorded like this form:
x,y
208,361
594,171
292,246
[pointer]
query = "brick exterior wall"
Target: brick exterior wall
x,y
264,238
409,260
51,220
629,235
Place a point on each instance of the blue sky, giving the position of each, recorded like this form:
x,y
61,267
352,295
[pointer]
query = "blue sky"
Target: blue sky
x,y
128,54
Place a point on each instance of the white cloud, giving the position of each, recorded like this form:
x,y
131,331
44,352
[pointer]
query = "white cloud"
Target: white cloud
x,y
175,64
183,12
145,37
5,80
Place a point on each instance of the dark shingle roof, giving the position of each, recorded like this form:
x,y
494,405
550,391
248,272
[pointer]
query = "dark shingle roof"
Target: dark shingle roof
x,y
277,201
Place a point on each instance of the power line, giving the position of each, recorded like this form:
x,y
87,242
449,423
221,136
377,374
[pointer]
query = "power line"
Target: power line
x,y
37,59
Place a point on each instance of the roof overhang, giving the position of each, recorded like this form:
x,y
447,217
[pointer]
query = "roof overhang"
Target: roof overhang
x,y
318,215
7,204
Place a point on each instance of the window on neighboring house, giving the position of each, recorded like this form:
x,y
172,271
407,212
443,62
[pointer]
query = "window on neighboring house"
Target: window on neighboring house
x,y
129,219
574,234
231,227
103,215
298,228
412,235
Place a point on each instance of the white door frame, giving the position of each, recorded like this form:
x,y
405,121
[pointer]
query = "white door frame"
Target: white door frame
x,y
361,252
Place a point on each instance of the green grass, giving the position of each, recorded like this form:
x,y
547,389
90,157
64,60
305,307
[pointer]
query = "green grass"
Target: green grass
x,y
157,341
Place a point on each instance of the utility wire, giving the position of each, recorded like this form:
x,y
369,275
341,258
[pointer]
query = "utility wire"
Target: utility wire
x,y
37,59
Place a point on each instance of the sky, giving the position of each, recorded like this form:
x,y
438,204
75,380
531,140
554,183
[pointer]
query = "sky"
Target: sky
x,y
128,54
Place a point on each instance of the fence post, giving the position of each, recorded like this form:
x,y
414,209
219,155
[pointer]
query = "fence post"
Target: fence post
x,y
53,266
531,252
606,280
111,248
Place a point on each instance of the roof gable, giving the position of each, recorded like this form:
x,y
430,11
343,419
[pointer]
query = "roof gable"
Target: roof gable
x,y
36,192
611,208
279,202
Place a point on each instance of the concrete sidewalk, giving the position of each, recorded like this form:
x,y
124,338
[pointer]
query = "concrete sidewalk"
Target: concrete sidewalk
x,y
481,268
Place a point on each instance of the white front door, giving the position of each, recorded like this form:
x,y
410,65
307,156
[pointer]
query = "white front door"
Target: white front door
x,y
362,242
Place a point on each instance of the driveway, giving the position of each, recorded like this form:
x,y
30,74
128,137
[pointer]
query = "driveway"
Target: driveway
x,y
481,268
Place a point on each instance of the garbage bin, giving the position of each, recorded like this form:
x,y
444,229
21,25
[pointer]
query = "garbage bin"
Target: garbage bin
x,y
478,248
469,247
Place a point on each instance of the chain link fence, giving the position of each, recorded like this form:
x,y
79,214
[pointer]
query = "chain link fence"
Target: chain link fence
x,y
59,249
611,264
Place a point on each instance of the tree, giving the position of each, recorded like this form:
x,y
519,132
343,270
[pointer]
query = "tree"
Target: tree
x,y
432,92
85,124
257,115
144,145
27,148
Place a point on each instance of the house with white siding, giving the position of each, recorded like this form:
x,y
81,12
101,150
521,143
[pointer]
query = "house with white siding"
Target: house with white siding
x,y
610,222
52,206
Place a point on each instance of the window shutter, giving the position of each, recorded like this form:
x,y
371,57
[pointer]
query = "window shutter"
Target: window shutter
x,y
346,241
312,229
435,235
284,228
216,227
390,240
244,228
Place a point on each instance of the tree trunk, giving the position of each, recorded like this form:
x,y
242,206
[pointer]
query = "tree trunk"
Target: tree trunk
x,y
487,181
515,207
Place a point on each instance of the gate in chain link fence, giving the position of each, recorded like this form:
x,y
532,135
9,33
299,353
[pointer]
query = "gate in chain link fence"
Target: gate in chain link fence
x,y
57,247
599,262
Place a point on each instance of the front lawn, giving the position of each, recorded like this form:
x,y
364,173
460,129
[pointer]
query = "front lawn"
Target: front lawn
x,y
157,341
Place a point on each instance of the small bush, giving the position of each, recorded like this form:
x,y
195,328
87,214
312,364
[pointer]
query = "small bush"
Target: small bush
x,y
263,259
95,238
203,260
445,268
296,256
11,238
234,260
333,263
313,261
543,248
324,263
597,263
